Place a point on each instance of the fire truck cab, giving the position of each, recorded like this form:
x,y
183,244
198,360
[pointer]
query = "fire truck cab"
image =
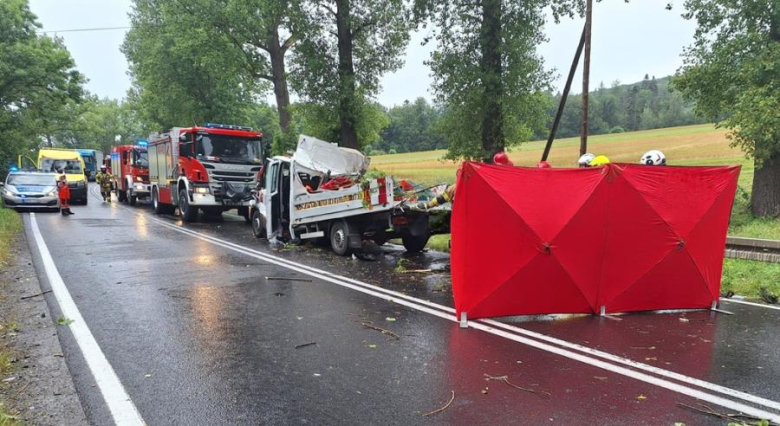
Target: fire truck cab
x,y
211,169
130,170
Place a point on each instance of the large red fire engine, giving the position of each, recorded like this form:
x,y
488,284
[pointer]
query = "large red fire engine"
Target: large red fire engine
x,y
130,169
211,168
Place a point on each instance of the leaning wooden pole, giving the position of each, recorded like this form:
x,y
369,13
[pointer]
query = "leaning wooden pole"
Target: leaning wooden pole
x,y
564,95
586,77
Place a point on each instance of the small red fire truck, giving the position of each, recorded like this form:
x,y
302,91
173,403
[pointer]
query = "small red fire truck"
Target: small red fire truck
x,y
130,170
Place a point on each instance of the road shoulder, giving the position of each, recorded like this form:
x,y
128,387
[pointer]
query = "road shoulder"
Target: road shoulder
x,y
41,391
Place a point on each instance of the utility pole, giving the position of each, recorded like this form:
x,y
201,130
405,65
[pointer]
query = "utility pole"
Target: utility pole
x,y
586,77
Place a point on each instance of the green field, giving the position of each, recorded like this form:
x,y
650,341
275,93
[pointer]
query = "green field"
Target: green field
x,y
687,145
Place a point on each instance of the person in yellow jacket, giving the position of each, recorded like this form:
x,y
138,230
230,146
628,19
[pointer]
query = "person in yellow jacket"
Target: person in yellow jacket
x,y
599,160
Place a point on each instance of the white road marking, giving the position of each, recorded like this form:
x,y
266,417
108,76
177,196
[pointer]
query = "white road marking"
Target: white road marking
x,y
760,305
118,401
491,327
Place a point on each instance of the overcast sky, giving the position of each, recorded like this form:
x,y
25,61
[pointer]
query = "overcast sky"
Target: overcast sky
x,y
629,41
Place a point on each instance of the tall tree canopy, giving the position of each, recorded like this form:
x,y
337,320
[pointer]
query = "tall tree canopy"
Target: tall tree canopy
x,y
182,72
733,70
346,47
487,71
37,79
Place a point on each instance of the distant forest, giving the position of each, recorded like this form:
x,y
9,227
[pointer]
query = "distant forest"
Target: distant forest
x,y
648,104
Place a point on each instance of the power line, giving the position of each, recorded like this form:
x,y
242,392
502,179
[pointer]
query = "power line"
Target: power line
x,y
74,30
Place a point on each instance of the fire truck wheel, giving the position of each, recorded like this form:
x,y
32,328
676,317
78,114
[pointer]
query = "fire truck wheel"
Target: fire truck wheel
x,y
258,224
188,212
160,208
121,196
339,240
132,197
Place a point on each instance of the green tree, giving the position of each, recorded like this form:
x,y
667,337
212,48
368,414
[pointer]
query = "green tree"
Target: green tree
x,y
182,73
261,31
733,70
37,78
412,128
347,46
488,73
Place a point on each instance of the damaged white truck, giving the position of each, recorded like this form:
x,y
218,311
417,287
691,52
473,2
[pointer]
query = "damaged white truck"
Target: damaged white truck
x,y
323,192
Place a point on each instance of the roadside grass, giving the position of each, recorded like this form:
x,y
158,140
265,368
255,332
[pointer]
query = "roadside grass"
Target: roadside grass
x,y
747,278
10,225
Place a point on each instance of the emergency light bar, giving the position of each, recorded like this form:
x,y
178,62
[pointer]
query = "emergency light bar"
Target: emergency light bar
x,y
227,126
142,142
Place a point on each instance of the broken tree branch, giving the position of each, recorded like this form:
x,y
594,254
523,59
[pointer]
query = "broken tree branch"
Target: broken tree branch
x,y
452,398
303,345
505,379
306,280
35,295
370,324
711,412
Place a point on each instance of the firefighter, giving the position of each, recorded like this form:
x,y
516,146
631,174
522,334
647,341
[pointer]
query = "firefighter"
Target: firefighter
x,y
64,193
104,180
653,158
502,159
585,160
599,160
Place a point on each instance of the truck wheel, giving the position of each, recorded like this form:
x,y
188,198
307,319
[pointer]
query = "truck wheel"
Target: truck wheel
x,y
121,196
156,202
339,238
133,198
258,224
188,212
160,208
414,243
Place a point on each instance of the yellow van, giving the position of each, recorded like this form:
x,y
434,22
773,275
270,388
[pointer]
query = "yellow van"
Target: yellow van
x,y
50,160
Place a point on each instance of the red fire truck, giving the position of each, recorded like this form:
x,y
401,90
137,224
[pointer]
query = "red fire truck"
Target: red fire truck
x,y
130,169
211,169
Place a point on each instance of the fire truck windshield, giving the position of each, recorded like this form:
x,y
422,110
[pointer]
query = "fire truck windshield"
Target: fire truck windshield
x,y
140,158
228,149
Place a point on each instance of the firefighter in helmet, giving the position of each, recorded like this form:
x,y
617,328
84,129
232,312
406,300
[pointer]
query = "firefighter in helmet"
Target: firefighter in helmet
x,y
104,180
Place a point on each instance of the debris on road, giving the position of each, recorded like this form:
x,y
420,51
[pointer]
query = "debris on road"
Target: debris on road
x,y
303,345
370,324
439,410
706,409
505,379
306,280
35,295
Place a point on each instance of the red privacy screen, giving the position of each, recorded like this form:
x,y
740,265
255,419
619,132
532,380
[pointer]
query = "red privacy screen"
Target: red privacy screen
x,y
623,236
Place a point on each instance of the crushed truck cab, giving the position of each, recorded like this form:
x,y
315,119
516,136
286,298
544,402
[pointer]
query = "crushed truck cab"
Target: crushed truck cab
x,y
321,192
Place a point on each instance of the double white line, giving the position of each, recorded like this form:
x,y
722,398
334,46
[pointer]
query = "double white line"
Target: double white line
x,y
695,388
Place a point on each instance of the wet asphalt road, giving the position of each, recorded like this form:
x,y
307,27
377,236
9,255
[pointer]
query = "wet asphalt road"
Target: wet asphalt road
x,y
198,336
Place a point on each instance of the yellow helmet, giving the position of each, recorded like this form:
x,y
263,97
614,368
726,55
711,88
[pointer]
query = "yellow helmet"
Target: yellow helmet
x,y
600,160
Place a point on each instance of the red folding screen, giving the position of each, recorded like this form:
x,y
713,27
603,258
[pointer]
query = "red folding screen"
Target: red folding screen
x,y
625,237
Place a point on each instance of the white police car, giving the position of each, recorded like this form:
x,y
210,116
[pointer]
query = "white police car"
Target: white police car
x,y
30,190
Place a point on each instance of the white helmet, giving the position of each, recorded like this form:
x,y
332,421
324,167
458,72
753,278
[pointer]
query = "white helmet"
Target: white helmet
x,y
653,158
585,160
